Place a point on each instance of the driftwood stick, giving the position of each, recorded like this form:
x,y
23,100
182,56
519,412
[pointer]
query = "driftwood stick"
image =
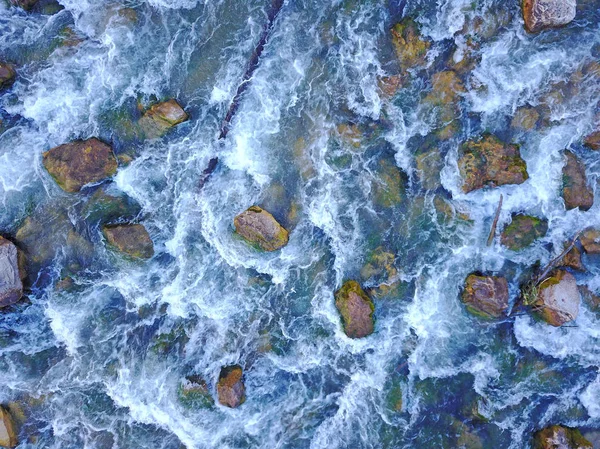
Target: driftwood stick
x,y
556,260
495,223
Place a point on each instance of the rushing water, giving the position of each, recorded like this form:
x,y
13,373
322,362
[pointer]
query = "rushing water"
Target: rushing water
x,y
101,364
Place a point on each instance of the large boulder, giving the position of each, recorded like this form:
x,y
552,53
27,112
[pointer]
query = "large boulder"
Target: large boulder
x,y
411,47
11,286
230,388
541,14
356,309
161,117
590,240
488,162
7,75
558,299
8,433
575,190
76,164
486,296
560,437
130,239
522,231
260,228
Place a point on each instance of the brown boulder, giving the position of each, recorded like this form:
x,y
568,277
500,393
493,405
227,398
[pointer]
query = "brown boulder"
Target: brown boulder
x,y
411,48
576,191
593,141
130,239
260,228
161,117
11,286
76,164
558,299
230,388
522,231
489,162
486,296
25,4
8,434
573,260
560,437
356,309
7,75
590,240
541,14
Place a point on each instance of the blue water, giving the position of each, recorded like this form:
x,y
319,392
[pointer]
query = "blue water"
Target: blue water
x,y
100,364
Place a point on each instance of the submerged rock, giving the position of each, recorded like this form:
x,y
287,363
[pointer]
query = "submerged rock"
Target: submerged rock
x,y
590,240
76,164
443,103
390,85
560,437
429,167
593,141
523,231
230,388
8,434
526,118
109,205
11,286
541,14
7,75
260,228
486,296
411,48
576,191
194,392
356,309
489,162
389,185
25,4
130,239
573,260
161,117
558,299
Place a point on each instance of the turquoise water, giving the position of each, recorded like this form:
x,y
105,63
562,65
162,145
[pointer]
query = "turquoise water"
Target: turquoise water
x,y
100,363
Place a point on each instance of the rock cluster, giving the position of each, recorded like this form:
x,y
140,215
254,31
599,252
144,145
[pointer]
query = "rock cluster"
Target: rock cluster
x,y
486,296
356,309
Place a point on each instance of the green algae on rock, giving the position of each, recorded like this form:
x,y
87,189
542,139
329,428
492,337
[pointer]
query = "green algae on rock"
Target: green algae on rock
x,y
560,437
558,299
194,392
356,309
522,231
161,117
76,164
488,162
8,433
230,387
389,186
576,191
260,228
11,285
485,296
7,75
411,48
130,239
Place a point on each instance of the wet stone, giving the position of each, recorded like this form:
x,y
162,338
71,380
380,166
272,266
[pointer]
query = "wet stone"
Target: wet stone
x,y
260,228
542,14
194,392
130,239
489,162
230,388
558,299
560,437
76,164
525,119
411,47
11,286
161,117
590,240
576,191
8,434
7,75
356,309
573,260
486,296
523,231
25,4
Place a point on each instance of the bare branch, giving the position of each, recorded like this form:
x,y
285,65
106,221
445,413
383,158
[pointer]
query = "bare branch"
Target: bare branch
x,y
495,223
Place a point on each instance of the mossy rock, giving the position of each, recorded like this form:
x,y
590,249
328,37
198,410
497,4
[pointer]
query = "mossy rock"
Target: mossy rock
x,y
259,227
389,187
109,205
522,231
411,47
161,117
194,393
560,437
356,310
485,296
132,240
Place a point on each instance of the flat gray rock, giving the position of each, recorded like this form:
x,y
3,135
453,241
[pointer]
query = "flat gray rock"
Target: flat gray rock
x,y
11,287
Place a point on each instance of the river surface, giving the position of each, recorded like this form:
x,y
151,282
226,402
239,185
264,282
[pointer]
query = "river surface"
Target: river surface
x,y
101,363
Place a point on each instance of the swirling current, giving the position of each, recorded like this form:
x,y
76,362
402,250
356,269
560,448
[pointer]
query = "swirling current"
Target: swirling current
x,y
349,122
